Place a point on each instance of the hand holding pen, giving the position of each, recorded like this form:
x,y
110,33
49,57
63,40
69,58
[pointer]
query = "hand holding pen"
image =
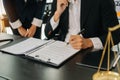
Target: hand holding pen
x,y
81,32
78,42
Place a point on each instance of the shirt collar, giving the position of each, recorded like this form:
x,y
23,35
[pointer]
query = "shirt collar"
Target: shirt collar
x,y
25,0
72,1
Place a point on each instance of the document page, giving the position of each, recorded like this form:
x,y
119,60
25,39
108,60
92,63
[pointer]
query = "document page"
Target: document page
x,y
24,46
54,53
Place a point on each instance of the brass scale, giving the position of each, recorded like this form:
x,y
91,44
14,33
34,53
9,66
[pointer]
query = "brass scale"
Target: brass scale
x,y
108,75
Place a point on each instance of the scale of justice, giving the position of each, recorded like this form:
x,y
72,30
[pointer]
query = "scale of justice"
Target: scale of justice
x,y
109,74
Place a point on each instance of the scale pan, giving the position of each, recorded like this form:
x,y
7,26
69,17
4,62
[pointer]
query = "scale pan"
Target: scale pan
x,y
106,75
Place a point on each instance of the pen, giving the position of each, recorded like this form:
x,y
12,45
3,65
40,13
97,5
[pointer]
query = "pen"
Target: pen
x,y
81,32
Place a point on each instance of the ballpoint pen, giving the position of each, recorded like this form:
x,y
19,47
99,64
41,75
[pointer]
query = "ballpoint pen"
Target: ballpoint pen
x,y
81,32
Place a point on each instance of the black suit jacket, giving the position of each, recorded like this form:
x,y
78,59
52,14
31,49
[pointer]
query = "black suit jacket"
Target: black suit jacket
x,y
25,12
96,17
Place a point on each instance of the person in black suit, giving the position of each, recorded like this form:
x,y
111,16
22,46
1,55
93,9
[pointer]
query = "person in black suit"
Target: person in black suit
x,y
25,16
70,17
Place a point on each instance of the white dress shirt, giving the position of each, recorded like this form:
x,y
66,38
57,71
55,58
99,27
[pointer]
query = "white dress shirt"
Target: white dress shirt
x,y
74,18
74,24
37,22
25,0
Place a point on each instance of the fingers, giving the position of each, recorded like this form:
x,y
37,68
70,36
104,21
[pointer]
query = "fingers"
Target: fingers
x,y
63,2
31,31
22,31
76,41
27,33
61,5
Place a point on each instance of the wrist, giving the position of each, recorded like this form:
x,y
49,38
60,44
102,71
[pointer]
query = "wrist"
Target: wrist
x,y
33,25
20,27
88,43
56,16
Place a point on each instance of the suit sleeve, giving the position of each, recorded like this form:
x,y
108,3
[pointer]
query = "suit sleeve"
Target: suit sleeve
x,y
48,28
109,19
37,20
10,8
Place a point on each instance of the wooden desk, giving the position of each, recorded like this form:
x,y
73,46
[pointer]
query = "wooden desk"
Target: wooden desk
x,y
20,68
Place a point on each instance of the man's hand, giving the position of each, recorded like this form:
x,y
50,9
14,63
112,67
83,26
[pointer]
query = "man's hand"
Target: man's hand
x,y
61,6
78,42
22,31
31,31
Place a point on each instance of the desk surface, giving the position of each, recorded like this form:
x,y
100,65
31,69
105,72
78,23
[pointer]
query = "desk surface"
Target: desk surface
x,y
19,68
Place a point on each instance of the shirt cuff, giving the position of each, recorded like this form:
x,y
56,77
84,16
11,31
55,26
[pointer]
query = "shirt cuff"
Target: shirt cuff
x,y
16,24
53,23
116,47
37,22
96,43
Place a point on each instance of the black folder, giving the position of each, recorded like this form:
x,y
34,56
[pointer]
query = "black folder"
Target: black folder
x,y
92,60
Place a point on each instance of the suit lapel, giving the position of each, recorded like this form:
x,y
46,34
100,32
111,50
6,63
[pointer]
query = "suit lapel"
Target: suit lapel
x,y
85,9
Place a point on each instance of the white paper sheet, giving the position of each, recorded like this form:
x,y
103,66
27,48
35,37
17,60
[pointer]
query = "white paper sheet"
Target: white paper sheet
x,y
24,46
54,53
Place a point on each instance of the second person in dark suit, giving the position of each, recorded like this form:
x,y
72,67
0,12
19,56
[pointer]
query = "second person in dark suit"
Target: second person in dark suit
x,y
25,16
